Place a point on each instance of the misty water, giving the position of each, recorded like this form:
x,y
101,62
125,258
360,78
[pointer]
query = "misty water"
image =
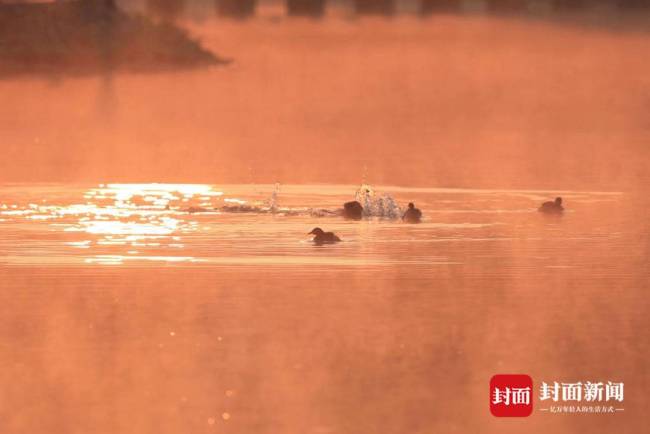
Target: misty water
x,y
452,101
121,311
124,312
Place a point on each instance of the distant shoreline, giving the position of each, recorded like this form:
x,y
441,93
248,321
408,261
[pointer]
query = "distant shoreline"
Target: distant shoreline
x,y
91,37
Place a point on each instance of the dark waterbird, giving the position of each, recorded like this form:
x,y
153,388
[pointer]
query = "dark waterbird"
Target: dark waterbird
x,y
352,210
322,237
552,207
412,214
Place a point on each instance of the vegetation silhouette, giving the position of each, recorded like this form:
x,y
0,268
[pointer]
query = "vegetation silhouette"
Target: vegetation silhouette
x,y
82,37
310,8
236,8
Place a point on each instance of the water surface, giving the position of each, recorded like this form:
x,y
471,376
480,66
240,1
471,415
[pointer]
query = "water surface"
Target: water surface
x,y
120,311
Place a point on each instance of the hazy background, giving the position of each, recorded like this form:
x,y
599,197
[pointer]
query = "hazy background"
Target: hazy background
x,y
120,316
450,100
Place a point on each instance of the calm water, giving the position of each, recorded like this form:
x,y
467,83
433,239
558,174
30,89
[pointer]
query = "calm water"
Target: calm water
x,y
120,311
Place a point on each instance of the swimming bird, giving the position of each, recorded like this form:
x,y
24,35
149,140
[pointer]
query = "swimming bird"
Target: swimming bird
x,y
412,214
352,210
554,207
322,237
194,209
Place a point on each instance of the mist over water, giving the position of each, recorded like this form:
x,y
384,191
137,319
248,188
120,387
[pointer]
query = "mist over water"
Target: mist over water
x,y
201,305
120,311
466,101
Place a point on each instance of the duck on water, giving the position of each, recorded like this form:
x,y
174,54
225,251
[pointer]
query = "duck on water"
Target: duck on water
x,y
412,214
322,237
552,207
352,210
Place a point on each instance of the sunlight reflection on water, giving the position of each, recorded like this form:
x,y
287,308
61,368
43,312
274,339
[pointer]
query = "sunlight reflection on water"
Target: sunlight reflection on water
x,y
132,282
196,224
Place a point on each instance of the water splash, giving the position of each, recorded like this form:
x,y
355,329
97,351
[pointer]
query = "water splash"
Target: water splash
x,y
268,206
273,200
376,204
